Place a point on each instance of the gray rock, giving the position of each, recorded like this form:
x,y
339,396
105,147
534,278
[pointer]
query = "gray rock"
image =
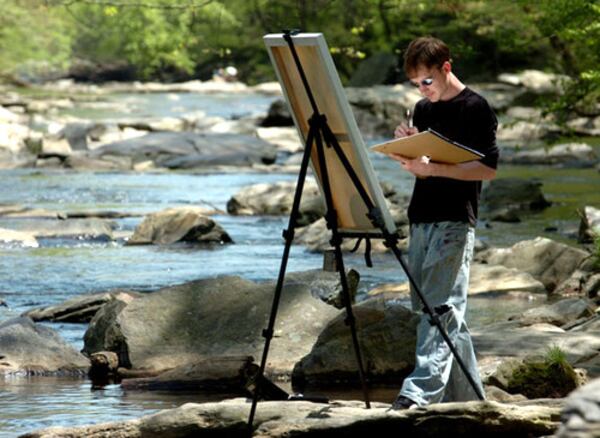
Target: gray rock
x,y
316,237
277,199
97,229
558,314
504,197
580,417
225,373
335,420
223,316
579,155
548,261
19,237
27,349
589,226
278,115
387,336
189,150
85,162
496,342
79,309
180,224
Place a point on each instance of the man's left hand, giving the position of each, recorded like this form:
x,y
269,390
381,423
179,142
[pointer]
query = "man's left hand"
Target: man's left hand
x,y
420,166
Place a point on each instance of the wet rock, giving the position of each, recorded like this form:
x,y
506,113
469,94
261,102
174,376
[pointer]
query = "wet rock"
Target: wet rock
x,y
276,419
97,229
27,348
387,337
558,314
18,237
277,199
546,260
85,162
221,373
589,226
79,309
223,316
103,364
508,197
278,115
180,224
580,416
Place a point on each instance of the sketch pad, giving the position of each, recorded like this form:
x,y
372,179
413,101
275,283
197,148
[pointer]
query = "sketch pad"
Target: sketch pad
x,y
431,144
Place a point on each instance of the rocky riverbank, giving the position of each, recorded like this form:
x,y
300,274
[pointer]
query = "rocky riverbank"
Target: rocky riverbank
x,y
205,334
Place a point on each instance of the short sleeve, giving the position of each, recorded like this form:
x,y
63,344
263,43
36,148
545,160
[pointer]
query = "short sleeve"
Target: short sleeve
x,y
484,125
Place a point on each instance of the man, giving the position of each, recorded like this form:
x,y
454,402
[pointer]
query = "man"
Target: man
x,y
443,214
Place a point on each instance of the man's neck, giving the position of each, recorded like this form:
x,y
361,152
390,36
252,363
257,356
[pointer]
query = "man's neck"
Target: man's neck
x,y
455,87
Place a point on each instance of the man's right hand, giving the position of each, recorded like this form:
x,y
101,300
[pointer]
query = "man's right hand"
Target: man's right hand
x,y
404,131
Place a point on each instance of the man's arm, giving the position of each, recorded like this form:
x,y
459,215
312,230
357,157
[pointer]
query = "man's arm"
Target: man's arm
x,y
470,171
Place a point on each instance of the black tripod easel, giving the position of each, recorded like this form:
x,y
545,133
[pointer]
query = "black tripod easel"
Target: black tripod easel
x,y
320,134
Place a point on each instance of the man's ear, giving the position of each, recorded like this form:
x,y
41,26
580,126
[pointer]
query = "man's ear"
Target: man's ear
x,y
446,67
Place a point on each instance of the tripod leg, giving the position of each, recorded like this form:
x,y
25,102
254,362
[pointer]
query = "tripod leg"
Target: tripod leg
x,y
350,320
288,234
331,218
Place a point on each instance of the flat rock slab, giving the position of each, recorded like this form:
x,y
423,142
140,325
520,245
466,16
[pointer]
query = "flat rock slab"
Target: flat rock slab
x,y
336,419
79,309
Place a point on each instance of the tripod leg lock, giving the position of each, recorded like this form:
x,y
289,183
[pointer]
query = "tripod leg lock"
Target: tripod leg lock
x,y
268,334
288,235
439,310
349,320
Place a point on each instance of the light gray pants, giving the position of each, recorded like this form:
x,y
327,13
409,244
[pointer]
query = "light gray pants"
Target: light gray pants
x,y
439,257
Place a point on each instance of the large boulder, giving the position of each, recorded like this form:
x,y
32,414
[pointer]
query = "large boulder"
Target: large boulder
x,y
214,317
180,224
387,338
548,261
278,419
580,417
504,199
27,348
277,199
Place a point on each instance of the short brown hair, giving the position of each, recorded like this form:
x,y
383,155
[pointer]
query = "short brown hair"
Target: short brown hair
x,y
428,52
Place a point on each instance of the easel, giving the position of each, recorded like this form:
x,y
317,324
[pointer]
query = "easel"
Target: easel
x,y
319,133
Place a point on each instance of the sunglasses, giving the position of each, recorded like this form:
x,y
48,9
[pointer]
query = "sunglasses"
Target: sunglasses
x,y
425,82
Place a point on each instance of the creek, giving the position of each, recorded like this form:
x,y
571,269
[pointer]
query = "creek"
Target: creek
x,y
62,268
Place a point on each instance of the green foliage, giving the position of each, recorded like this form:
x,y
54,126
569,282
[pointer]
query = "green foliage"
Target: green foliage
x,y
171,39
33,38
555,356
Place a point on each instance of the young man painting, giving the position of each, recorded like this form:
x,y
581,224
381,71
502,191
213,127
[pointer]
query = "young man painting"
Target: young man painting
x,y
443,214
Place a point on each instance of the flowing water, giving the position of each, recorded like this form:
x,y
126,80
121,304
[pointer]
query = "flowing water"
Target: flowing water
x,y
62,268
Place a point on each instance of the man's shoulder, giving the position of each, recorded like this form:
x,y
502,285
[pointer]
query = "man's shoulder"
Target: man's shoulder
x,y
474,99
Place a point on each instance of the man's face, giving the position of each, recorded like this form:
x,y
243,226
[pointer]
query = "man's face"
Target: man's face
x,y
432,83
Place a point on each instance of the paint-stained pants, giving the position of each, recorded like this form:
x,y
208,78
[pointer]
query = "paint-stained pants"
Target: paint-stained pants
x,y
439,257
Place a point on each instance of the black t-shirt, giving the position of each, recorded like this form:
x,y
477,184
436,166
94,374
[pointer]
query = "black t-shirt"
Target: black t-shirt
x,y
466,119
